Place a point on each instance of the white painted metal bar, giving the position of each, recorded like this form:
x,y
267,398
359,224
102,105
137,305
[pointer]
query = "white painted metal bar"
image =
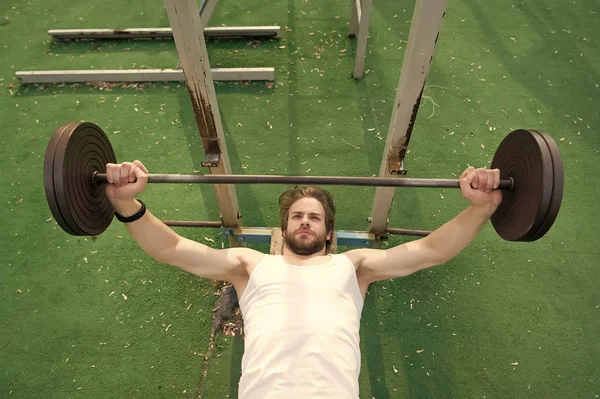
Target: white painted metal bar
x,y
424,31
140,75
206,9
185,22
364,18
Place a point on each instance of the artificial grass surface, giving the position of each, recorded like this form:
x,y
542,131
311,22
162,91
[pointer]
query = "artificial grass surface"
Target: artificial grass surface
x,y
500,320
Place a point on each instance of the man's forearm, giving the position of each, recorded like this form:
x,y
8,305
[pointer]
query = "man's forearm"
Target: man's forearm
x,y
454,236
151,234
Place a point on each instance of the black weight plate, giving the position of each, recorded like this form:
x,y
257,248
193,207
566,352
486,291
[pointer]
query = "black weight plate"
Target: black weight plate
x,y
82,150
49,159
92,208
523,156
557,186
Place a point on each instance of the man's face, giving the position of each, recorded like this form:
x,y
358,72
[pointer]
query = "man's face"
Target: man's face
x,y
306,232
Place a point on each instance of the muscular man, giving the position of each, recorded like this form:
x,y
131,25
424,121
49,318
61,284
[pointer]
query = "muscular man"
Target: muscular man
x,y
302,309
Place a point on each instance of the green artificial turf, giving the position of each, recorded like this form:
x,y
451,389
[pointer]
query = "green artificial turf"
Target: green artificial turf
x,y
96,317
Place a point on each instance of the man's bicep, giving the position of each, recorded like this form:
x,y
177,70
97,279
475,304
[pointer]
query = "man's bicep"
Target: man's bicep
x,y
399,261
207,262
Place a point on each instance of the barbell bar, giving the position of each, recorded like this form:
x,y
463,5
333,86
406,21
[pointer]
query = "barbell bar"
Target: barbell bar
x,y
100,178
531,180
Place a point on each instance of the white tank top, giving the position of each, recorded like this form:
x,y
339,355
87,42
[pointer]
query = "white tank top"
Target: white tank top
x,y
301,330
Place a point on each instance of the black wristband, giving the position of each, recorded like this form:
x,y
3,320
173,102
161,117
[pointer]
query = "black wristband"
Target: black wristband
x,y
133,217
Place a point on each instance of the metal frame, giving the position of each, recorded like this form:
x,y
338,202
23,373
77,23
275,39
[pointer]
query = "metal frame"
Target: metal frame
x,y
359,24
205,11
424,32
154,75
198,76
140,75
425,27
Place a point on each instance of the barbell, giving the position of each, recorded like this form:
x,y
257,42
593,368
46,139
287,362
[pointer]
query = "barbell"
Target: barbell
x,y
531,180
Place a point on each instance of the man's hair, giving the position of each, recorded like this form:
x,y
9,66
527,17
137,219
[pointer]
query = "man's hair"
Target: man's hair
x,y
289,197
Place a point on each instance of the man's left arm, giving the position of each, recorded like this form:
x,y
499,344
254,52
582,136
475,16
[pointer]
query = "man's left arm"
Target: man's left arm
x,y
478,186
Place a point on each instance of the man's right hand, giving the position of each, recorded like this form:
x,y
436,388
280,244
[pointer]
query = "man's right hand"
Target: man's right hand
x,y
126,180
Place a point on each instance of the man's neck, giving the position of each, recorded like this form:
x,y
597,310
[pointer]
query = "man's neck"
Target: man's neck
x,y
290,254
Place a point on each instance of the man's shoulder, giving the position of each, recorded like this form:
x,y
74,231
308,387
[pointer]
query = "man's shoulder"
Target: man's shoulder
x,y
356,256
247,256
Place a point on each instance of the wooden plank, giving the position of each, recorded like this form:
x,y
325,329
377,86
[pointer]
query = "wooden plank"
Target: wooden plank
x,y
363,34
185,23
206,10
140,75
424,30
276,242
264,235
219,32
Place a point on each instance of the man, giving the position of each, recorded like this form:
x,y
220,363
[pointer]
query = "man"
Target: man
x,y
301,309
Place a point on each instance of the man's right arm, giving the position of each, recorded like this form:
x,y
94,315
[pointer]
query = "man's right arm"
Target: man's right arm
x,y
126,181
165,246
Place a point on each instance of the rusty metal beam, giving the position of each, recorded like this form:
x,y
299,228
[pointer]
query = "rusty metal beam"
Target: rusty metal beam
x,y
191,48
422,39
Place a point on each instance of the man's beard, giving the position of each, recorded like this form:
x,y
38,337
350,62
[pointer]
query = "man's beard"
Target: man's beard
x,y
304,246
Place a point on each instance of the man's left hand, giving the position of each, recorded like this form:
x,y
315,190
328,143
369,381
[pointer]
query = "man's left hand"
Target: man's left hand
x,y
480,187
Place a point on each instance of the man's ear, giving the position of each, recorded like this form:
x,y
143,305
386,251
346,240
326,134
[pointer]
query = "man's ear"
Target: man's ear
x,y
329,236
